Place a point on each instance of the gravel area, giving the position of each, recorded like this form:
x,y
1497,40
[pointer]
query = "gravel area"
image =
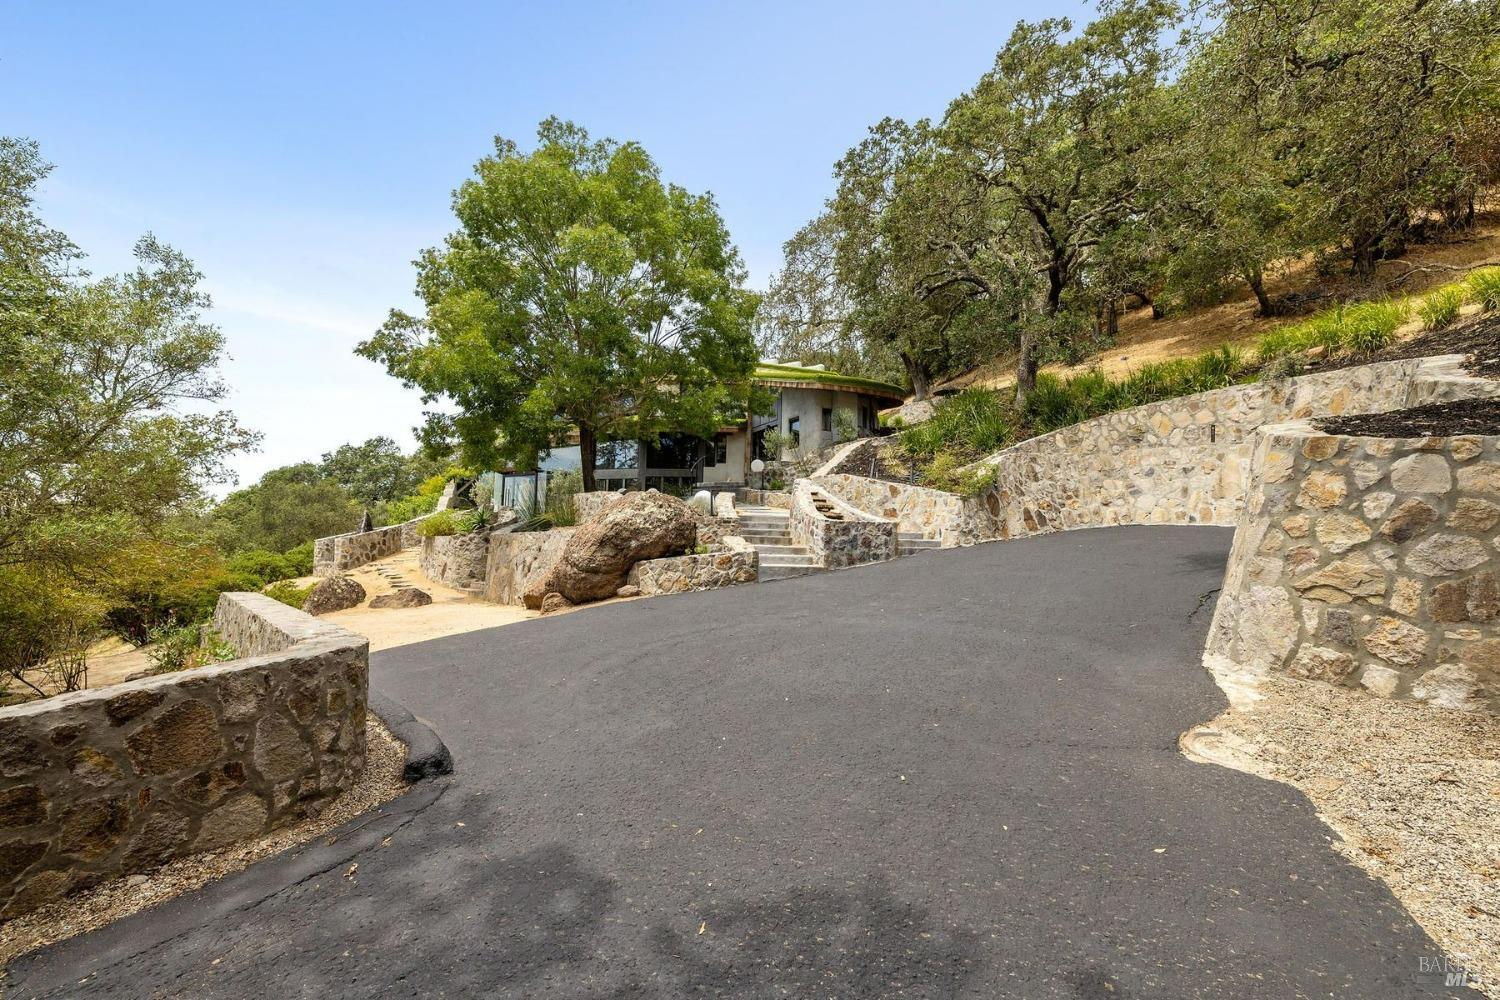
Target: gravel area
x,y
1412,792
109,901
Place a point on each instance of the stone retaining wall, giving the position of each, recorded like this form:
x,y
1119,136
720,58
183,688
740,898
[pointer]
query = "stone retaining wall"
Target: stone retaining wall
x,y
341,553
733,563
765,498
457,561
520,558
858,538
114,780
1179,461
1371,562
933,513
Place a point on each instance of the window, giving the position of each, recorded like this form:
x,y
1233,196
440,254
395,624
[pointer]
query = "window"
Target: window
x,y
794,431
827,420
718,450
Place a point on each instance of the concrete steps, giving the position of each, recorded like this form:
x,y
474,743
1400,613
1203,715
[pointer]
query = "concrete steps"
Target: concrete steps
x,y
769,531
911,542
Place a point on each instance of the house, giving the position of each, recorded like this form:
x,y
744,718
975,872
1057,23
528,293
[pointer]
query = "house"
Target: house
x,y
814,408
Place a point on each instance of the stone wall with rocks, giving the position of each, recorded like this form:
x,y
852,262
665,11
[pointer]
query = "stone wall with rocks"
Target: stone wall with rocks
x,y
935,514
341,553
110,781
857,538
1179,461
457,561
733,562
517,559
1369,562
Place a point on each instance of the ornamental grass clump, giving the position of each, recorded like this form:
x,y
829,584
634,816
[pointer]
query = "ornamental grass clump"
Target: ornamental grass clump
x,y
1440,308
1484,287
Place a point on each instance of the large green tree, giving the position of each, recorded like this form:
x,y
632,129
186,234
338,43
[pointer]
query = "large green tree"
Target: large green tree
x,y
1376,112
108,432
376,471
580,294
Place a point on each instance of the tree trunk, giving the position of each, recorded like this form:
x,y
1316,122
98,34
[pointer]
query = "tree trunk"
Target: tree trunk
x,y
921,381
1026,368
1257,283
588,453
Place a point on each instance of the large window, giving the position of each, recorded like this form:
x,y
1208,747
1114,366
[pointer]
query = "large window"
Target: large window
x,y
827,420
794,431
718,450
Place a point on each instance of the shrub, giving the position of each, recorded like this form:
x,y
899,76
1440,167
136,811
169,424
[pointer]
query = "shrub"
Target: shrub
x,y
267,566
1484,287
973,423
183,647
1370,326
444,522
300,559
289,593
1440,308
408,508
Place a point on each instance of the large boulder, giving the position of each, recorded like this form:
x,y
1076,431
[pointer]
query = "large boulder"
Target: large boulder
x,y
628,529
406,597
333,593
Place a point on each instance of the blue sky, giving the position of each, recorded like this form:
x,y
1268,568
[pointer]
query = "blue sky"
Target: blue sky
x,y
302,154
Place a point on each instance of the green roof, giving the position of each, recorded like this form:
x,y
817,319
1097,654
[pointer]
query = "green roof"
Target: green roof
x,y
832,380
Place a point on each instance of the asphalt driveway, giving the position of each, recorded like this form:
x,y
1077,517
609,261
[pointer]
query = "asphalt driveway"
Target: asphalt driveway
x,y
955,775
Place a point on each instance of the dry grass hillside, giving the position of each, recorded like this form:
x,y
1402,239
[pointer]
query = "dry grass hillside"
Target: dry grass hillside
x,y
1143,340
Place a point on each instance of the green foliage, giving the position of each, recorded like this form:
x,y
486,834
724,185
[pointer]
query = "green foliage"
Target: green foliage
x,y
176,647
267,566
289,593
946,471
972,423
287,507
1484,288
1440,308
300,559
444,522
579,294
376,472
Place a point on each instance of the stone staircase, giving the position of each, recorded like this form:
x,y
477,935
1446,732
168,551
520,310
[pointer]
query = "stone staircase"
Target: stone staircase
x,y
769,531
911,542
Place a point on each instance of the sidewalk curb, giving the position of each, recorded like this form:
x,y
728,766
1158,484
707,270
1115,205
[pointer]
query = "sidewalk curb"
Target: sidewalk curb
x,y
426,754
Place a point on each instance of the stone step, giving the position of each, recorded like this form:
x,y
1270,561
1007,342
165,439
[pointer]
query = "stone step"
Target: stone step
x,y
754,537
784,549
770,573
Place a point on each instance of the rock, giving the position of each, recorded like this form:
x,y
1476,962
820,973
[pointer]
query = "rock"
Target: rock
x,y
1424,473
1382,682
136,881
1268,627
629,590
1317,663
1322,490
1396,641
185,735
1406,596
1376,504
1338,625
241,818
1473,514
1320,448
1342,581
92,767
1451,685
407,597
333,593
1483,597
1444,554
1481,477
90,830
554,602
1410,518
597,558
163,836
124,707
280,750
22,806
1296,525
1338,532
